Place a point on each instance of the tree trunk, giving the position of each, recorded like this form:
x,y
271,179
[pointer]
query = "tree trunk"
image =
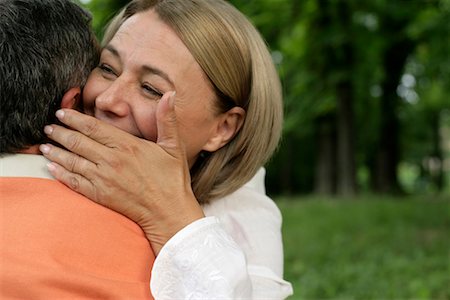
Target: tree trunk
x,y
346,182
437,173
388,153
346,152
286,168
325,170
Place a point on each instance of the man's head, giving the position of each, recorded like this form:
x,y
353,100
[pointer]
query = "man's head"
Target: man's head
x,y
46,49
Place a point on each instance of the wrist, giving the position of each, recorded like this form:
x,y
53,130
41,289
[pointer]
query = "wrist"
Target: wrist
x,y
171,224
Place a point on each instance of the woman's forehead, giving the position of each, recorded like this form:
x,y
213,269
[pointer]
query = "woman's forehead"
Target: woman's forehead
x,y
145,41
144,38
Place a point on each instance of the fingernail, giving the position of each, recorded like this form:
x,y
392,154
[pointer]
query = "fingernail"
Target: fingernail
x,y
44,149
51,167
59,114
48,129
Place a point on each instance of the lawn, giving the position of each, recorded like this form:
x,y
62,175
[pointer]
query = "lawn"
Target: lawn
x,y
370,248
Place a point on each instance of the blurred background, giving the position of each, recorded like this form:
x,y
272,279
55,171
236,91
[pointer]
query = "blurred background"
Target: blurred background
x,y
362,175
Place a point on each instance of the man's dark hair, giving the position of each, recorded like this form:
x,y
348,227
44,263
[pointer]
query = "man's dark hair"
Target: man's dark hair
x,y
46,48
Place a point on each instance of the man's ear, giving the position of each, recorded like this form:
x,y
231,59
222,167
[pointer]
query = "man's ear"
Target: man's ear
x,y
71,98
228,126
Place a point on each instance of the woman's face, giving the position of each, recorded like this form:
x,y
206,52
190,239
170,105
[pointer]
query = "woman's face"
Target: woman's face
x,y
144,60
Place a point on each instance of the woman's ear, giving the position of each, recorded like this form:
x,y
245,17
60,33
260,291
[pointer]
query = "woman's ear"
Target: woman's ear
x,y
228,125
71,98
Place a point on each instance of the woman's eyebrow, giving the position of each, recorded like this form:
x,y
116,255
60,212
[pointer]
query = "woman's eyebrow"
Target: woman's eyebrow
x,y
158,72
113,50
146,68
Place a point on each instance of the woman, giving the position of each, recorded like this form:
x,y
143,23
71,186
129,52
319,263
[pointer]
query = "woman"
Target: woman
x,y
196,81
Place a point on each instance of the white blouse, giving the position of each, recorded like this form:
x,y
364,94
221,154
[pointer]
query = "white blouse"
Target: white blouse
x,y
235,252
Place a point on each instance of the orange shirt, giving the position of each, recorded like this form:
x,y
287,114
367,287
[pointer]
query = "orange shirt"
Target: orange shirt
x,y
56,244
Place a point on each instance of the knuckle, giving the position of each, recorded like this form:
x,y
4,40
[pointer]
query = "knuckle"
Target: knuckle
x,y
115,163
71,162
73,141
100,194
133,148
74,183
90,127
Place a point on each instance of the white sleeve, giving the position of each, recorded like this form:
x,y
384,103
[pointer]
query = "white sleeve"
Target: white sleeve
x,y
200,262
236,253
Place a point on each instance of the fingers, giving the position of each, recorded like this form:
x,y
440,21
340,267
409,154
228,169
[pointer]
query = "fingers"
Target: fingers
x,y
90,126
167,124
74,141
69,161
76,182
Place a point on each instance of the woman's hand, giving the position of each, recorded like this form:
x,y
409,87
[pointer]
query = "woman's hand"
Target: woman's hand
x,y
145,181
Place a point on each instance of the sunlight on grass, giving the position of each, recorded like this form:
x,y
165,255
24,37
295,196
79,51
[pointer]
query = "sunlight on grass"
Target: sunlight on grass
x,y
367,249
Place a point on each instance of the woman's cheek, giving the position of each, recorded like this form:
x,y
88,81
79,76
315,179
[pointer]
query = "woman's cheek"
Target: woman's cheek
x,y
90,92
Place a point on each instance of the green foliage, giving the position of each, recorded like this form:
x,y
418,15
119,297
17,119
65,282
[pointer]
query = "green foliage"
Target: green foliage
x,y
103,11
310,38
367,248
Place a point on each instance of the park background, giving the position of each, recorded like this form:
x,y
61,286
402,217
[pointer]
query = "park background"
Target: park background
x,y
362,175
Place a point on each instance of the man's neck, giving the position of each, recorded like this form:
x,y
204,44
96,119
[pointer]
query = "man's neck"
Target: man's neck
x,y
25,163
30,150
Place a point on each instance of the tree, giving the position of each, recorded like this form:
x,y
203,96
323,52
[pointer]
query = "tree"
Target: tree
x,y
345,67
103,11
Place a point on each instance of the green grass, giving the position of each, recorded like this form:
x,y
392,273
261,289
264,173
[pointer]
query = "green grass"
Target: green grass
x,y
371,248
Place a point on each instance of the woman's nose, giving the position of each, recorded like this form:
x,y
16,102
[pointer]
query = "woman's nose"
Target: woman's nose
x,y
113,100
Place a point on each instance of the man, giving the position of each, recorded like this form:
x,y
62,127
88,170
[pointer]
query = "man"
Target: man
x,y
54,243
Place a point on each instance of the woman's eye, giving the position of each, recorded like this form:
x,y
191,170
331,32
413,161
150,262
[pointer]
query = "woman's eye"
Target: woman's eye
x,y
106,69
152,91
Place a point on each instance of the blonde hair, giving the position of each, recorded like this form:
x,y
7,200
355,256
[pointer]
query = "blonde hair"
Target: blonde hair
x,y
236,60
